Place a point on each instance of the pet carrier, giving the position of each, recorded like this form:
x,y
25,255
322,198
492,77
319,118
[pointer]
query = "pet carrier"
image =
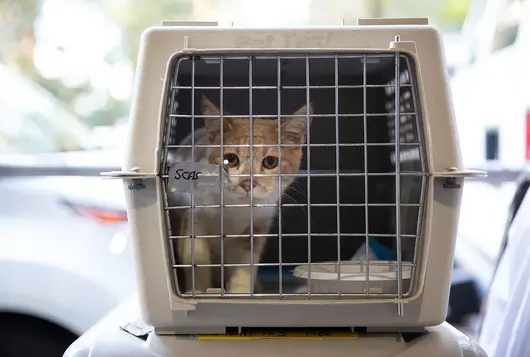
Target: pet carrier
x,y
293,183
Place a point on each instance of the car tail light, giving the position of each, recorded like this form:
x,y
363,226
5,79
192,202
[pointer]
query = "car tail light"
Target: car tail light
x,y
100,214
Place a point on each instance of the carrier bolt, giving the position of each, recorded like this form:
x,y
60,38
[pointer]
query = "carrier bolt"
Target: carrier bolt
x,y
136,184
450,182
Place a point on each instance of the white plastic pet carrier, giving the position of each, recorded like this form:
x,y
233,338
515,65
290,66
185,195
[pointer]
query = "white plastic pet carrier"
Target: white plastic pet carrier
x,y
293,183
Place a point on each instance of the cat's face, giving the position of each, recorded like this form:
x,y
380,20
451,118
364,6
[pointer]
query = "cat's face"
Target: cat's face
x,y
265,160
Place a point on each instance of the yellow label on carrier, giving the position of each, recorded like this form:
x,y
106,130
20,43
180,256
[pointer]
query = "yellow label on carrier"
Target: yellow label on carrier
x,y
290,335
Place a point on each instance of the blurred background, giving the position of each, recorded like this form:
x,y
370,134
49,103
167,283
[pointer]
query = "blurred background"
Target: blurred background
x,y
66,77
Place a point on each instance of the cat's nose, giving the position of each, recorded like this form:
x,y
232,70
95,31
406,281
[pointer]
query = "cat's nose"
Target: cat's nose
x,y
246,184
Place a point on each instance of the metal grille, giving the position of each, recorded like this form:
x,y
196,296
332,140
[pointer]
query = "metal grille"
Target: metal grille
x,y
349,224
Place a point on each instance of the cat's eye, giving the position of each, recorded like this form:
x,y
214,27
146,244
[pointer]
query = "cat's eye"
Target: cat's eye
x,y
232,159
270,162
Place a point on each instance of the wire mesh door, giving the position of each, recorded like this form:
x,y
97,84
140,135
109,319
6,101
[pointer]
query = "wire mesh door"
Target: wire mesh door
x,y
281,178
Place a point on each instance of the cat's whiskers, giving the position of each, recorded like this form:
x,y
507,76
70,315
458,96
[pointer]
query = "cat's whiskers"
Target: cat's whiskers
x,y
297,190
294,201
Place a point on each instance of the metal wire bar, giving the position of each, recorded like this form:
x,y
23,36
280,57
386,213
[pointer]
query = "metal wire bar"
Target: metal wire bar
x,y
222,160
308,154
292,56
280,242
397,141
337,170
251,179
295,87
345,263
299,296
295,205
268,116
192,209
377,235
365,159
292,145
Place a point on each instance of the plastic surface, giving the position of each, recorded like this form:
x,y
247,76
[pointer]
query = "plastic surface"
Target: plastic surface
x,y
168,313
107,340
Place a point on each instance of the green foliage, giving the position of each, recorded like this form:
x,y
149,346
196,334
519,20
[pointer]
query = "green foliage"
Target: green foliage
x,y
134,16
453,13
448,15
17,18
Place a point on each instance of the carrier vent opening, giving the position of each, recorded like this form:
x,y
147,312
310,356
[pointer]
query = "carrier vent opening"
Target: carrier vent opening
x,y
344,196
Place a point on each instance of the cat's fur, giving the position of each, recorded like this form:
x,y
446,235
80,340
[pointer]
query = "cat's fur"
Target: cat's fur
x,y
236,219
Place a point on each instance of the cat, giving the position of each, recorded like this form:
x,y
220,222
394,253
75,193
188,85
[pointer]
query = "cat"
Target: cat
x,y
237,280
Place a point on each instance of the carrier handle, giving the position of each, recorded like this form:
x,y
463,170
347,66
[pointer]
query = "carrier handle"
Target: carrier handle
x,y
135,174
128,175
455,173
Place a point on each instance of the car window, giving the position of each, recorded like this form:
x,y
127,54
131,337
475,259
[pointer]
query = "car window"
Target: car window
x,y
30,132
21,136
35,122
508,23
472,29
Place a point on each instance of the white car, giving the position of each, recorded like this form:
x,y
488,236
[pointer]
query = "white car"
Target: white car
x,y
491,102
490,93
65,255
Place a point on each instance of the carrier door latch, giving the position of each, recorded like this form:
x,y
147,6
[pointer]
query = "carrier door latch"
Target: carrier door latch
x,y
183,176
452,174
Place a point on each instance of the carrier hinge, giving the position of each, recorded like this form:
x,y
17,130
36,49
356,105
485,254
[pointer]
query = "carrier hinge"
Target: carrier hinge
x,y
137,329
135,175
451,175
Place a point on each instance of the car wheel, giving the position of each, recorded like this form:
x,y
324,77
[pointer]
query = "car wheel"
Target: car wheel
x,y
25,336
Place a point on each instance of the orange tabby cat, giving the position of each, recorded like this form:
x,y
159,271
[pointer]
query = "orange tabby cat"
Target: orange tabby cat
x,y
237,219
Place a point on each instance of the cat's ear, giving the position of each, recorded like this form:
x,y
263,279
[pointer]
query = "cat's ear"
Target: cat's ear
x,y
208,108
294,128
212,120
